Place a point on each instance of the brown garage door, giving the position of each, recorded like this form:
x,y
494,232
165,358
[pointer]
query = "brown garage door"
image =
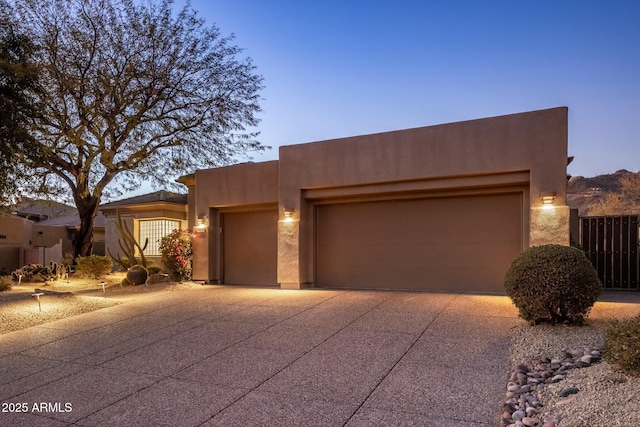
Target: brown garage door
x,y
250,247
455,243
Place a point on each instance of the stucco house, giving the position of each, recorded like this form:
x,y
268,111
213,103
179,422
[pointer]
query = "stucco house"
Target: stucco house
x,y
149,216
443,207
43,232
40,231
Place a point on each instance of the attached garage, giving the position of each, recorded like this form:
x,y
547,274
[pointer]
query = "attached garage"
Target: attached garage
x,y
462,243
435,208
250,247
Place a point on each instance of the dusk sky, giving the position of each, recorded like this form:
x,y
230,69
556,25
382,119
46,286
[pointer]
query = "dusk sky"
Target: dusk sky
x,y
343,68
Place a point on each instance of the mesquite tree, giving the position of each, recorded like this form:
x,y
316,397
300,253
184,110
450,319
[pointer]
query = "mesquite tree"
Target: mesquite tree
x,y
132,92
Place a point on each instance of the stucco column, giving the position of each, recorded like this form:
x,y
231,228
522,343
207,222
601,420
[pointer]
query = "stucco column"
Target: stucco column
x,y
201,259
288,253
549,225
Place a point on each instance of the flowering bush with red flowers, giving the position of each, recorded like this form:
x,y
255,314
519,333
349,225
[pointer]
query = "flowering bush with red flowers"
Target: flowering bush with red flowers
x,y
176,250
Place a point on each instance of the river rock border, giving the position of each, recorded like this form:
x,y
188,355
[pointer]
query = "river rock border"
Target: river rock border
x,y
521,406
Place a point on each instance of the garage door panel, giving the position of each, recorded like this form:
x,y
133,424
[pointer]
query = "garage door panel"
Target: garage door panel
x,y
250,248
457,243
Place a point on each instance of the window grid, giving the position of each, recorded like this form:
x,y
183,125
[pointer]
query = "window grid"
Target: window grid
x,y
155,230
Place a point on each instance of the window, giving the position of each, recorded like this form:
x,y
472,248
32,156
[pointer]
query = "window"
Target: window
x,y
155,230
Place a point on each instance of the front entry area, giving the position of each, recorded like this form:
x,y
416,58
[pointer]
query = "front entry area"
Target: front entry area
x,y
461,243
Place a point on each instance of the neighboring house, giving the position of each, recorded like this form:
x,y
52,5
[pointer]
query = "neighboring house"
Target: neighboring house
x,y
443,207
149,216
40,231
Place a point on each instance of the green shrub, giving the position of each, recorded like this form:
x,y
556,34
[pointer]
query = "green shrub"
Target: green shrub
x,y
622,345
5,283
93,266
552,283
176,250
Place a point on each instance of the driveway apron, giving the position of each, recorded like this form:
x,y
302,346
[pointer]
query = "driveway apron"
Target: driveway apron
x,y
221,356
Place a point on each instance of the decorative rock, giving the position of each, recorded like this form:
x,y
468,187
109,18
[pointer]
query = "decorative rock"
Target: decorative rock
x,y
568,391
518,415
586,358
531,411
557,378
521,406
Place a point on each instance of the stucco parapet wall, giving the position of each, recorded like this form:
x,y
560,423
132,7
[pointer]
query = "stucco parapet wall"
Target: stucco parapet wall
x,y
534,141
237,185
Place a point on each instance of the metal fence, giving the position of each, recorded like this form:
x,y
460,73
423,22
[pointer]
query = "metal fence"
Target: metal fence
x,y
611,243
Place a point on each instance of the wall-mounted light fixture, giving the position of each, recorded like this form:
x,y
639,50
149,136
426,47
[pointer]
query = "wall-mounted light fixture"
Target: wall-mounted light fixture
x,y
288,214
201,224
548,199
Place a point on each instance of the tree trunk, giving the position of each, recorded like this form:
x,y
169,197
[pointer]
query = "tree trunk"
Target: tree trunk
x,y
83,239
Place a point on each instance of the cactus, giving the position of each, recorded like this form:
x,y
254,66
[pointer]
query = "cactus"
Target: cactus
x,y
137,275
128,244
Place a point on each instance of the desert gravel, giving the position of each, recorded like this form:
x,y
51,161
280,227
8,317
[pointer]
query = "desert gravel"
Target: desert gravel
x,y
607,398
19,309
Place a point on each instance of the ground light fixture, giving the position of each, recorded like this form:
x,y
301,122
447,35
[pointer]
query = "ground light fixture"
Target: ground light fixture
x,y
37,296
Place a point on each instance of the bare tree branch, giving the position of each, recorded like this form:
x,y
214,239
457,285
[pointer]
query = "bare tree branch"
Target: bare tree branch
x,y
133,91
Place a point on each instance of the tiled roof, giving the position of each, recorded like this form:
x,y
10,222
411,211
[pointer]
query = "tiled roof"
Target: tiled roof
x,y
158,196
72,221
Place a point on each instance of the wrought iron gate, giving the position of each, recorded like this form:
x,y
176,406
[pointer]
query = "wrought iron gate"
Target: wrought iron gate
x,y
611,243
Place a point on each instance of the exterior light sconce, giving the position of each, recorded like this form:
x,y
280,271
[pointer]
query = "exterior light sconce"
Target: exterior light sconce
x,y
288,215
201,224
548,199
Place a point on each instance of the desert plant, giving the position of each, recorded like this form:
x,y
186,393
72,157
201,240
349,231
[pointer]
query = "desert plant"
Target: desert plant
x,y
5,283
176,250
622,345
137,275
67,259
93,266
154,269
552,284
129,245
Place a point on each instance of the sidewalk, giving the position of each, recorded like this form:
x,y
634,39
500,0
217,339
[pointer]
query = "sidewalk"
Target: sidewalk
x,y
220,356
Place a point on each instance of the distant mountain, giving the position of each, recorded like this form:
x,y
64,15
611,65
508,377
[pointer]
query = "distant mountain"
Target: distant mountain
x,y
583,193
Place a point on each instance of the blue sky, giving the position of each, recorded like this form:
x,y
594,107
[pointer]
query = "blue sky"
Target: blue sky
x,y
343,68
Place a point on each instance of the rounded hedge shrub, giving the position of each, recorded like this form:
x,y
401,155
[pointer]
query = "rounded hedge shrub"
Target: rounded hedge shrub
x,y
622,345
94,266
552,284
5,283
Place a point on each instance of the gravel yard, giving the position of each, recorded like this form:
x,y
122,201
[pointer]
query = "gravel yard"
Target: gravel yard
x,y
606,398
65,298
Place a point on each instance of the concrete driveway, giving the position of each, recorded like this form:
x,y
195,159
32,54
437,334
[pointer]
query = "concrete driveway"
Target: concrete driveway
x,y
223,356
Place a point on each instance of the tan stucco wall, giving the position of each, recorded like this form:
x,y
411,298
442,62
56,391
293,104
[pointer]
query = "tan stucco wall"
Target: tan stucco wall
x,y
246,185
526,152
533,143
15,231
